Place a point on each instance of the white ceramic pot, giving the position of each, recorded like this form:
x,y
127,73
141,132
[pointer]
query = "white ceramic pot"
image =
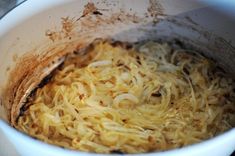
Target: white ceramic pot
x,y
22,32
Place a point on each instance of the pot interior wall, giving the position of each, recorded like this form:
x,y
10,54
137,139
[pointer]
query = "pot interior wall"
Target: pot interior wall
x,y
193,27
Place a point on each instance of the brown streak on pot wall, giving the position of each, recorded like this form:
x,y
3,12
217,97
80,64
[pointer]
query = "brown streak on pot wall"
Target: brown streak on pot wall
x,y
28,73
24,67
98,19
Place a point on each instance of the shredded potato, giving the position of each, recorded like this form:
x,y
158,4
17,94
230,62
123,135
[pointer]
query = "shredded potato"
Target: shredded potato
x,y
148,98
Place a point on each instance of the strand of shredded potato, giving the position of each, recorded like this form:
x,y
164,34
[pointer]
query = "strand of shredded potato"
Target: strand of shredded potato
x,y
132,102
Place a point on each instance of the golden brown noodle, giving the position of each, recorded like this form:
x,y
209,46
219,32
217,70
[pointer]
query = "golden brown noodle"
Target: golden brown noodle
x,y
133,102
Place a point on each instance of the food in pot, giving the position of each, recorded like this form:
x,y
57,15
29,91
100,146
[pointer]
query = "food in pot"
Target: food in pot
x,y
124,98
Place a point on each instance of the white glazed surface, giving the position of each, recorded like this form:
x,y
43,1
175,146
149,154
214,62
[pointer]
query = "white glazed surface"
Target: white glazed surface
x,y
30,31
26,146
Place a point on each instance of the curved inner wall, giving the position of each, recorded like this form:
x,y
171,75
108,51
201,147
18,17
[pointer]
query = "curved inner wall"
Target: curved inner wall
x,y
43,40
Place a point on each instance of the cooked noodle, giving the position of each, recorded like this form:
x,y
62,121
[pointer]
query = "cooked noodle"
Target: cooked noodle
x,y
135,100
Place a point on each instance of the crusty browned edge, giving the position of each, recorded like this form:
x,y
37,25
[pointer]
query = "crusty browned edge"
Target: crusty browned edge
x,y
28,72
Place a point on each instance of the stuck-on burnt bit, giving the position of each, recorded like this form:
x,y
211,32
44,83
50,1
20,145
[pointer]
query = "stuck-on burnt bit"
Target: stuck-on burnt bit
x,y
117,152
27,103
117,43
125,45
47,79
97,13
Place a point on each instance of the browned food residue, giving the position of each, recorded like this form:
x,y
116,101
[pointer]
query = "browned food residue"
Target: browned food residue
x,y
28,73
92,19
155,9
68,25
89,8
